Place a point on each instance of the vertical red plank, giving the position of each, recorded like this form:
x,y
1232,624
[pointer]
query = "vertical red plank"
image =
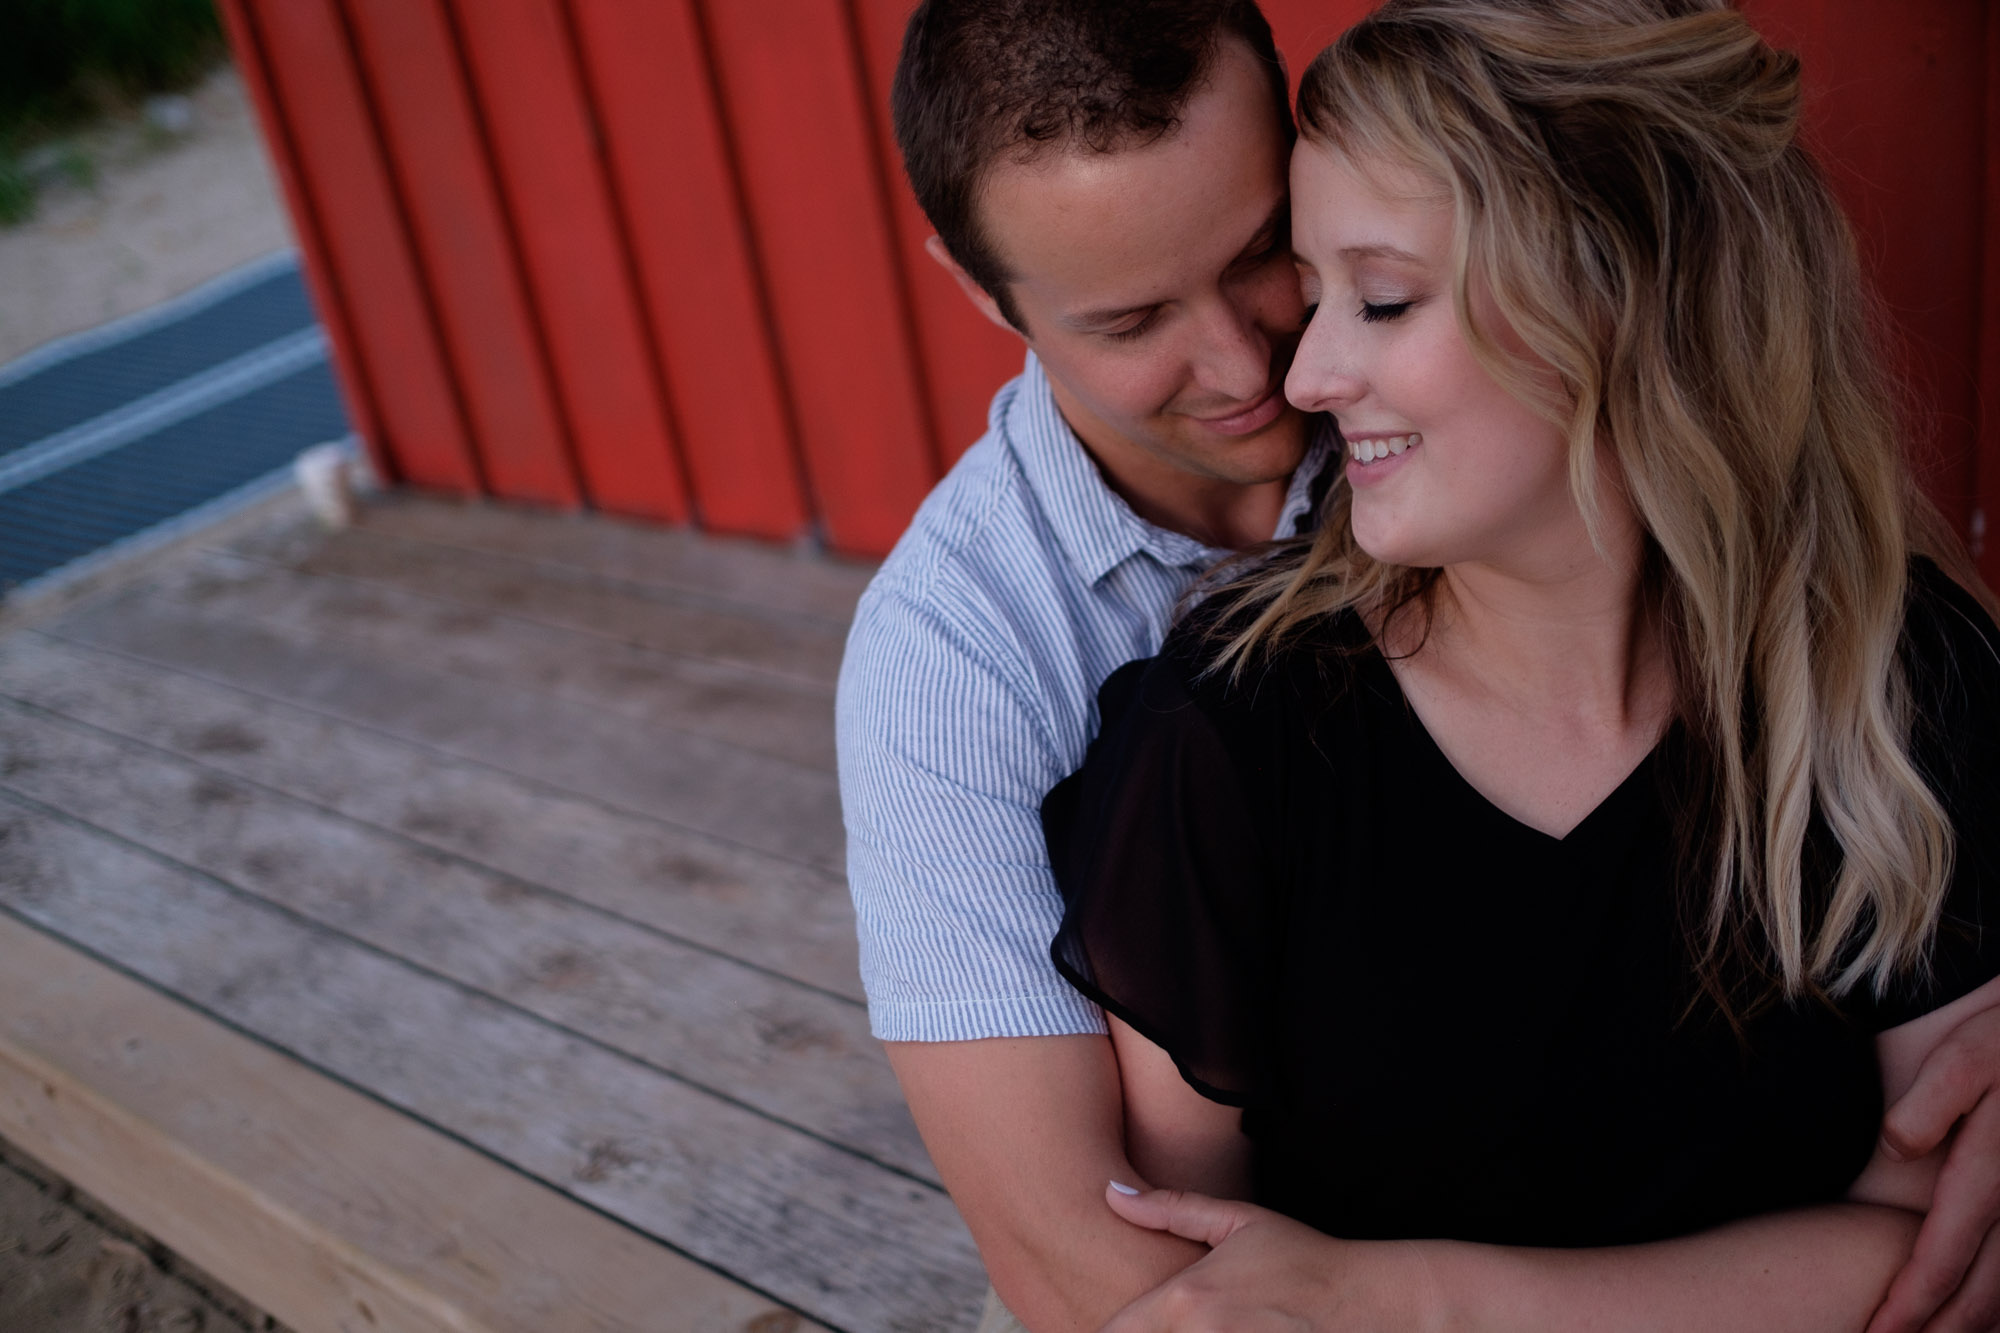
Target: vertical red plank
x,y
315,264
440,166
791,83
647,68
1986,542
369,290
965,357
531,97
1894,109
1304,28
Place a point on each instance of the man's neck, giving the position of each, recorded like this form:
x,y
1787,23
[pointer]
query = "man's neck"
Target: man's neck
x,y
1225,515
1217,511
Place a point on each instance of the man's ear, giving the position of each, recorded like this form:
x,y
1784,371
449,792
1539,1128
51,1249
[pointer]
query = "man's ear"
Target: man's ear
x,y
982,300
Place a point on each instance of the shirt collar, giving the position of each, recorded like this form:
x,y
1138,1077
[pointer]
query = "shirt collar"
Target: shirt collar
x,y
1097,529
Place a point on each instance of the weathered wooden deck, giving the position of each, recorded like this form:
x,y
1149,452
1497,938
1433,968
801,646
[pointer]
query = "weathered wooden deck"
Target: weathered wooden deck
x,y
440,924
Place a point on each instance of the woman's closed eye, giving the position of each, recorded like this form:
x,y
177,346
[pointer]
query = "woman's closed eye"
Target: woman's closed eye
x,y
1373,312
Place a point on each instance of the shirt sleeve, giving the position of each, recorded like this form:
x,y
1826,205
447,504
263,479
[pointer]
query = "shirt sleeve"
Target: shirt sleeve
x,y
943,765
1169,922
1951,653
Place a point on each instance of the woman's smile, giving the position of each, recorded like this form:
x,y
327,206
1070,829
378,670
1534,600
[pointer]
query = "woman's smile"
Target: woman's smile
x,y
1448,466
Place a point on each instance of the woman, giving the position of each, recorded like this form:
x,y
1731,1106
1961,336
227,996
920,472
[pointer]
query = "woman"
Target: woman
x,y
1619,743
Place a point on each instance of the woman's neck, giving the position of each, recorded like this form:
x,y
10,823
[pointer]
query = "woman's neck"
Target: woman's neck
x,y
1566,638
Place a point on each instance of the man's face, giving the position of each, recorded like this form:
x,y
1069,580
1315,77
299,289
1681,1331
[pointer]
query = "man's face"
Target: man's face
x,y
1156,285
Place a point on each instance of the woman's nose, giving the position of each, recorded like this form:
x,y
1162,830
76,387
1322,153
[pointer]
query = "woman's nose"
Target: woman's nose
x,y
1323,377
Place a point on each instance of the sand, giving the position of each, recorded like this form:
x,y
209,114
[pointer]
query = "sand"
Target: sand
x,y
165,213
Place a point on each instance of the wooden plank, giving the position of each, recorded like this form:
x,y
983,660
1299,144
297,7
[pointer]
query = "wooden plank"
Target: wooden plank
x,y
965,357
745,573
416,614
316,259
787,650
460,231
771,913
545,148
830,1233
689,781
319,95
647,67
798,1055
317,1202
791,82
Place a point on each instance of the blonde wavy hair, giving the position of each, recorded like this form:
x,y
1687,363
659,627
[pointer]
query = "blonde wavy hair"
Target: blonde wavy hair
x,y
1627,179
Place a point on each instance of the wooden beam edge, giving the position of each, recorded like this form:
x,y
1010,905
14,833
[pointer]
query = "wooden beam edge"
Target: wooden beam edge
x,y
335,1213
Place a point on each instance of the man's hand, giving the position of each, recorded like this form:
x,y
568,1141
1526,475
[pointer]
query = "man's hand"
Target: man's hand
x,y
1952,1281
1267,1272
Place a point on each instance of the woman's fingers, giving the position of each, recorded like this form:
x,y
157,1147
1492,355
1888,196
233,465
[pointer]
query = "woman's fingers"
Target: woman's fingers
x,y
1191,1216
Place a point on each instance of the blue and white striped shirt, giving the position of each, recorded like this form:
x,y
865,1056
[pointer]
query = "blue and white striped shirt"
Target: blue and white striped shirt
x,y
968,690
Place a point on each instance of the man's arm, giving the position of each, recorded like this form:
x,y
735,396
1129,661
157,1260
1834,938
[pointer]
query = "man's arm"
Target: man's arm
x,y
1811,1269
1952,1282
944,761
1814,1271
1025,1132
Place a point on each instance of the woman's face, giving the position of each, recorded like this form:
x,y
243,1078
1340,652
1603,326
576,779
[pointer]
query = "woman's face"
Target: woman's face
x,y
1447,466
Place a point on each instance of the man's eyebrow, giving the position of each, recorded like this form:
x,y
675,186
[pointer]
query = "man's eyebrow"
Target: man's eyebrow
x,y
1091,319
1274,228
1267,235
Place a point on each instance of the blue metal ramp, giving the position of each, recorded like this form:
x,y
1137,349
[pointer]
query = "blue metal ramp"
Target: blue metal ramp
x,y
125,435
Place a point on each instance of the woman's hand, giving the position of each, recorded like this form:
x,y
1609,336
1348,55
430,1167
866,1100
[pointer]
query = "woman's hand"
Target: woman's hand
x,y
1267,1272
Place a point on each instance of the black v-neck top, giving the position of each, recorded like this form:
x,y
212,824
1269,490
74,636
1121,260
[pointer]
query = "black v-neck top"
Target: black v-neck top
x,y
1444,1023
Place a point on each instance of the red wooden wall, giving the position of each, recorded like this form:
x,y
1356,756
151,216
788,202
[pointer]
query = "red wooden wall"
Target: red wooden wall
x,y
657,256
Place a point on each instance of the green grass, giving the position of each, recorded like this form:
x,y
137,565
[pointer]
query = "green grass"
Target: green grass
x,y
63,62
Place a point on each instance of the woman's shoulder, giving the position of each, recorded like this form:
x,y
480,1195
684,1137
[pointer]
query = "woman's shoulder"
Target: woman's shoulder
x,y
1312,662
1949,637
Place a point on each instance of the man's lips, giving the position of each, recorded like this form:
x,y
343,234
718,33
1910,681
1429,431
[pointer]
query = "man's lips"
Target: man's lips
x,y
1252,418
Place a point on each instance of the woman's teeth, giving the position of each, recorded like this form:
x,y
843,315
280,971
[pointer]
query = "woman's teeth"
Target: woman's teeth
x,y
1367,451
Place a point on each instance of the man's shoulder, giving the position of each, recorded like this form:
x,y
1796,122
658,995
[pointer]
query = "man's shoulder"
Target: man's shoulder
x,y
979,546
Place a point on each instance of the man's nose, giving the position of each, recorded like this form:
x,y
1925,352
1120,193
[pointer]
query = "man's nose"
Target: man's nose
x,y
1235,355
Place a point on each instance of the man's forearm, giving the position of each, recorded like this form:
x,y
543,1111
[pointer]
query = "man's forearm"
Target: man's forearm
x,y
1025,1132
1812,1270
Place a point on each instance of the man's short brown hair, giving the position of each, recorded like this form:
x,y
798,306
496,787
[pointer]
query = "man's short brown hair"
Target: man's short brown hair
x,y
982,78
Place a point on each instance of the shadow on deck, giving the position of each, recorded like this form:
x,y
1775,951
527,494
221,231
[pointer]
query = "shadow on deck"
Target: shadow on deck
x,y
439,925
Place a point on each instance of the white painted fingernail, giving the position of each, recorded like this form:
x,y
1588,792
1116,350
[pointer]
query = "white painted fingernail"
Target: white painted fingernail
x,y
1123,1188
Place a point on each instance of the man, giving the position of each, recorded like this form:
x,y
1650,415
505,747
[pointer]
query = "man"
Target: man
x,y
1107,180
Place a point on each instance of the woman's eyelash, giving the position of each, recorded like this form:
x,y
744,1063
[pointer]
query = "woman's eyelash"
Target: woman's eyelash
x,y
1376,314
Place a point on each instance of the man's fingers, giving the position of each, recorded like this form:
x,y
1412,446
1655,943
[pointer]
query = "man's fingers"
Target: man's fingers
x,y
1945,1090
1955,1232
1946,1087
1976,1306
1191,1216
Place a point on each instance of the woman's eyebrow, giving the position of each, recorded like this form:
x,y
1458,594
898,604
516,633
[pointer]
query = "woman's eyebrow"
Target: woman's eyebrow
x,y
1379,251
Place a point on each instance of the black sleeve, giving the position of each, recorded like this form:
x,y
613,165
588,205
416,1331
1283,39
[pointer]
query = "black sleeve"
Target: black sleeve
x,y
1168,922
1951,652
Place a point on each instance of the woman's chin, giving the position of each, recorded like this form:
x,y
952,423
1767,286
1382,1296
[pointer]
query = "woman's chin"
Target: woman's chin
x,y
1391,547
